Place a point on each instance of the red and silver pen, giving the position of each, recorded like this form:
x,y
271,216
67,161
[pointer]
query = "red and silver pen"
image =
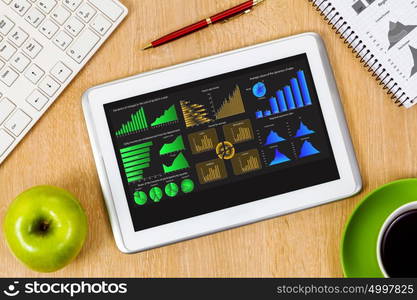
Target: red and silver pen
x,y
241,9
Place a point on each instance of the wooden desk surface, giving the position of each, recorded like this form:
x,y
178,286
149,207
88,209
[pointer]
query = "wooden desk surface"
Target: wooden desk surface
x,y
57,150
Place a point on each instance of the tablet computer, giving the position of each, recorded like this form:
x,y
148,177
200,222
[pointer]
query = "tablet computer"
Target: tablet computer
x,y
220,142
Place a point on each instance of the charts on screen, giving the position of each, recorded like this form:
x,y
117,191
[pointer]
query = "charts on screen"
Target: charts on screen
x,y
279,158
194,113
293,96
179,163
273,138
176,146
307,149
168,116
259,89
135,160
137,122
211,171
239,132
187,186
231,106
303,130
245,162
203,141
156,194
140,197
171,189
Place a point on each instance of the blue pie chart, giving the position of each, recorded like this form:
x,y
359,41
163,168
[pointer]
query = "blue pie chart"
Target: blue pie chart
x,y
259,89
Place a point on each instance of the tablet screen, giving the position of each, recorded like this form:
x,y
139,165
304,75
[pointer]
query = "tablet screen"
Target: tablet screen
x,y
220,142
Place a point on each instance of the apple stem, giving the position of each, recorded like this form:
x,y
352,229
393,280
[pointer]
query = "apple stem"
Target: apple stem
x,y
44,226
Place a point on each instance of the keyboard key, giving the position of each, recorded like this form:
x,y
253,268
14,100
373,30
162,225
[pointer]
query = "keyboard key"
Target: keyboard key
x,y
34,73
37,100
6,140
72,4
49,86
7,50
60,15
17,122
101,24
109,8
21,6
20,62
62,40
74,26
61,72
47,5
35,17
2,65
48,29
5,25
86,12
83,46
18,36
8,76
32,48
6,108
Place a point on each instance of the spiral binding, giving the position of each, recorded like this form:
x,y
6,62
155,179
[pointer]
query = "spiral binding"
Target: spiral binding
x,y
367,59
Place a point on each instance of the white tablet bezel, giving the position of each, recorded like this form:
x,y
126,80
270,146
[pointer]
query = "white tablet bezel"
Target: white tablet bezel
x,y
95,98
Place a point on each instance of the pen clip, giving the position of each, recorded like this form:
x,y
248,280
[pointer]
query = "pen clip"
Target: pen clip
x,y
236,16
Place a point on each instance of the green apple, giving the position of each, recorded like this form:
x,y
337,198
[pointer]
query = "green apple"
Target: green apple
x,y
45,228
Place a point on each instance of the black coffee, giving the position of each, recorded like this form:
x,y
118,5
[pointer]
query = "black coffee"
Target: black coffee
x,y
399,246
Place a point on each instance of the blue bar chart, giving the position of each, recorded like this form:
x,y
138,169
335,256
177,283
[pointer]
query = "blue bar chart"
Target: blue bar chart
x,y
304,88
281,101
297,93
293,96
274,105
289,97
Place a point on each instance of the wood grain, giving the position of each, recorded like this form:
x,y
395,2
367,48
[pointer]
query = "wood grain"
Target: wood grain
x,y
57,150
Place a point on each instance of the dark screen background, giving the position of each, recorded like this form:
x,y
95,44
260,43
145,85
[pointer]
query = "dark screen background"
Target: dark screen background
x,y
211,99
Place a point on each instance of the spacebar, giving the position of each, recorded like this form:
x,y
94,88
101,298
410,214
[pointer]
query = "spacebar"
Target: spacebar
x,y
83,46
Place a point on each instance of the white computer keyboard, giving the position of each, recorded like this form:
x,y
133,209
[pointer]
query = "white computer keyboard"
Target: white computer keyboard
x,y
43,45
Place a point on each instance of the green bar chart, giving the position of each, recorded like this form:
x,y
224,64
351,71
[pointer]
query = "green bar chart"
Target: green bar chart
x,y
137,122
135,160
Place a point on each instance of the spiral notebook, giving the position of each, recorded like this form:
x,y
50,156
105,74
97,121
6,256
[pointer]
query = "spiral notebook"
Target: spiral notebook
x,y
383,35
